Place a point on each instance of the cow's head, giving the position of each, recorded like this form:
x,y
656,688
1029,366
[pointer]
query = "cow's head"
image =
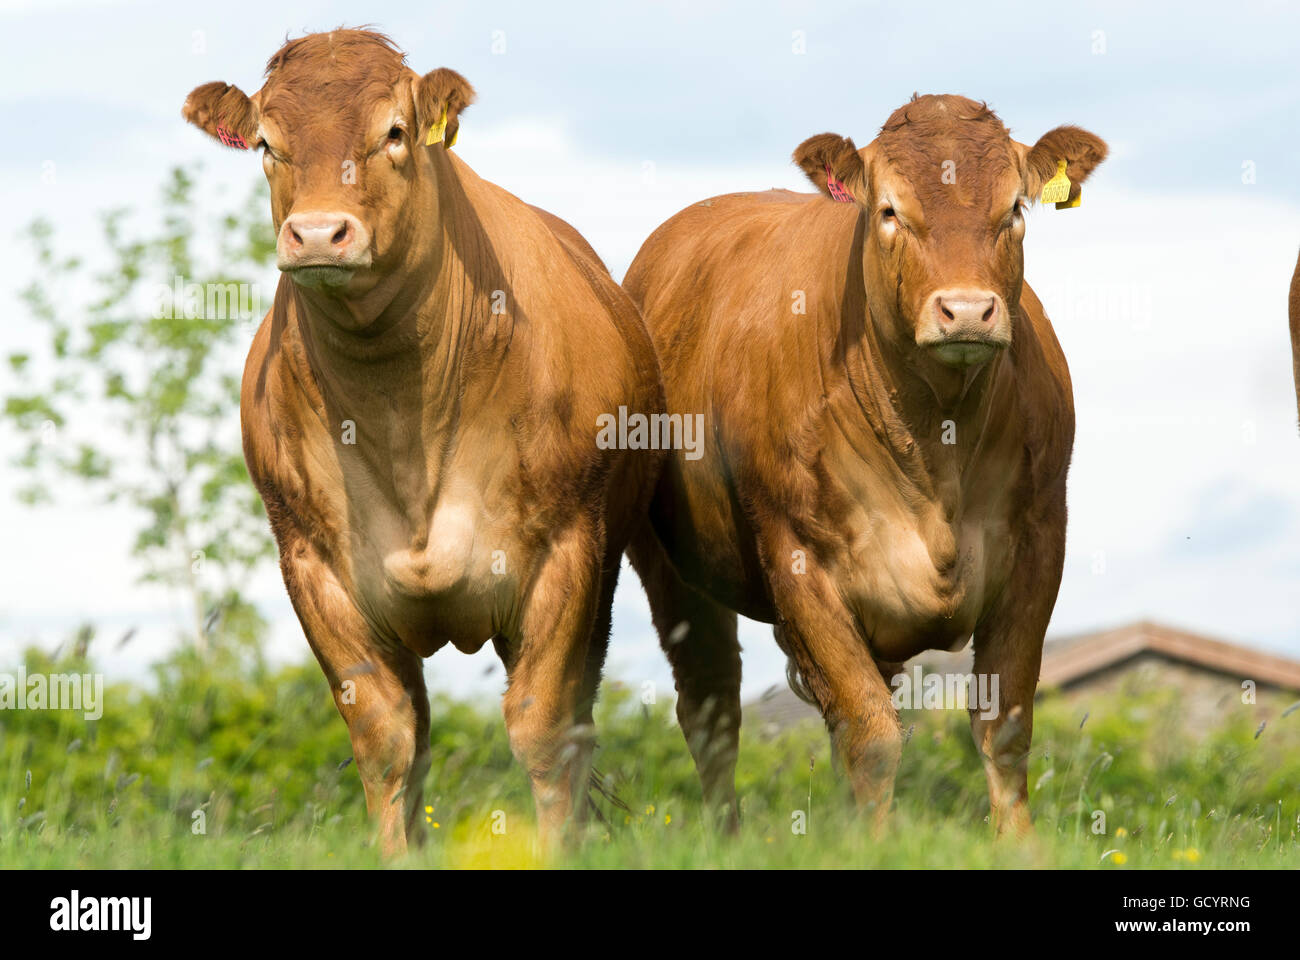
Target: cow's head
x,y
943,189
348,134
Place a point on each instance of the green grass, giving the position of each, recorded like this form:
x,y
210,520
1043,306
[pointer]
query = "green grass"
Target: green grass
x,y
258,752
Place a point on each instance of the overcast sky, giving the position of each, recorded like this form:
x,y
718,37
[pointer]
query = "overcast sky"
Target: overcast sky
x,y
1167,287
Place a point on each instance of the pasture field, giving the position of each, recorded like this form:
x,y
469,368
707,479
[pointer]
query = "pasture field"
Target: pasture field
x,y
229,764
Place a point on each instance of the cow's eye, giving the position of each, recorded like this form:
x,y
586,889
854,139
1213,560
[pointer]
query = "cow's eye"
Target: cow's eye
x,y
269,159
888,214
395,134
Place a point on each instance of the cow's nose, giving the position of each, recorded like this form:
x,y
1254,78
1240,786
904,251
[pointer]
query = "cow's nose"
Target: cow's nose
x,y
322,240
966,309
964,325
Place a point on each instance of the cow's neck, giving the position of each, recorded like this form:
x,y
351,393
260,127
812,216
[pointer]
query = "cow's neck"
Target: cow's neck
x,y
360,350
394,364
912,409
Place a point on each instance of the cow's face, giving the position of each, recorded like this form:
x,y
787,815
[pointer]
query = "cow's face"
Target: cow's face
x,y
343,128
943,189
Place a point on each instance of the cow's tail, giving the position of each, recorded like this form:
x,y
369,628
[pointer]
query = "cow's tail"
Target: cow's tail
x,y
793,677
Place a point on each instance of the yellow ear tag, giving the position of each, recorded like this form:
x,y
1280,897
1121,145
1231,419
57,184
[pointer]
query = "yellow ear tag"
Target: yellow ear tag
x,y
1057,190
456,134
1078,198
438,129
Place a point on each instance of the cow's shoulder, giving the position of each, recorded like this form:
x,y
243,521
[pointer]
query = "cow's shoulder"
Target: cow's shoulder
x,y
1044,367
1043,391
565,311
568,235
288,447
543,260
562,284
278,394
255,390
641,370
260,403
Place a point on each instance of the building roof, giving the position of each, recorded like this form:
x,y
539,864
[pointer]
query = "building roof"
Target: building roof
x,y
1071,661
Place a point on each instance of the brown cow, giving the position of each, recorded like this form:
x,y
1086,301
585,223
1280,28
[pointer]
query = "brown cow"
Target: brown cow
x,y
1295,329
420,414
889,424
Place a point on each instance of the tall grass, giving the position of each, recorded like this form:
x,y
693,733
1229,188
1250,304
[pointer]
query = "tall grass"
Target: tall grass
x,y
232,764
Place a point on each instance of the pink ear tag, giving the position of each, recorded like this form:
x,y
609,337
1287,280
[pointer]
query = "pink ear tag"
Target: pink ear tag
x,y
837,189
230,138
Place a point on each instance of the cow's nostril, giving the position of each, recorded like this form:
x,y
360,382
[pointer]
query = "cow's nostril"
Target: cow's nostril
x,y
988,314
340,235
296,239
946,312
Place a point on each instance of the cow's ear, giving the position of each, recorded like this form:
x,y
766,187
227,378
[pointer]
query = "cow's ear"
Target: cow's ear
x,y
834,166
223,112
1082,152
440,96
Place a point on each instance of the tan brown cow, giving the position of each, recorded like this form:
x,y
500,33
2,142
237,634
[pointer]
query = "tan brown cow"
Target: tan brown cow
x,y
1294,311
420,414
889,422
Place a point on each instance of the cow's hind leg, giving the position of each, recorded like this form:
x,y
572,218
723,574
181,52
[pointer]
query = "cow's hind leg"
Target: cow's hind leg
x,y
699,638
1009,649
378,687
584,731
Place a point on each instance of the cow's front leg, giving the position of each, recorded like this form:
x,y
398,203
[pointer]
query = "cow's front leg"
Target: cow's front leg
x,y
378,687
546,666
388,722
1009,650
821,636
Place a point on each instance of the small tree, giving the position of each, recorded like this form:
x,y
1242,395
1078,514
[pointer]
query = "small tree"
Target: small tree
x,y
136,393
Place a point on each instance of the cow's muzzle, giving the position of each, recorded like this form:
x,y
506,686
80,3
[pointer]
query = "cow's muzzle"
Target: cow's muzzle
x,y
964,327
322,250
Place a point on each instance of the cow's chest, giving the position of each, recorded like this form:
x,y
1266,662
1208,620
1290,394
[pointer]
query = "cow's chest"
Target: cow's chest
x,y
917,579
438,566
